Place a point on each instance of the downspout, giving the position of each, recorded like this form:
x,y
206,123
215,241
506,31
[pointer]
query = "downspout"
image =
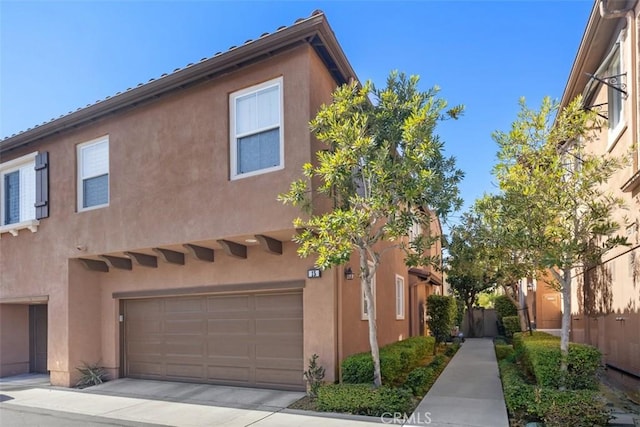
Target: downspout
x,y
338,279
628,13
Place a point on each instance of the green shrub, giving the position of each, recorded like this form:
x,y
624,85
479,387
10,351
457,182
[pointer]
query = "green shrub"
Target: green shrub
x,y
519,337
542,359
571,408
420,380
504,307
452,349
556,408
396,361
362,399
442,315
511,325
503,351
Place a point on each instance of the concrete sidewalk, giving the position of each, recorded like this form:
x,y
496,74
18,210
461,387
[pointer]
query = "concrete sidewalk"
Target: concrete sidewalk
x,y
156,403
468,393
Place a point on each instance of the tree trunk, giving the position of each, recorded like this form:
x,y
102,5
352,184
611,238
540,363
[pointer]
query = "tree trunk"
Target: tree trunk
x,y
365,280
470,324
566,325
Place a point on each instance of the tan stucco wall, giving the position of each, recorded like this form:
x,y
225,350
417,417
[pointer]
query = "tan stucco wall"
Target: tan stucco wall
x,y
14,339
169,185
607,313
355,331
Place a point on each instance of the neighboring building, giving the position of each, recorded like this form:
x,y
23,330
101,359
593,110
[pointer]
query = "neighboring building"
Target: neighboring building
x,y
543,303
606,298
156,246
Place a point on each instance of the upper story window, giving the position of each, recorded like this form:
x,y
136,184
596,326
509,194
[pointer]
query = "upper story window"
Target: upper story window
x,y
93,174
256,129
18,190
614,96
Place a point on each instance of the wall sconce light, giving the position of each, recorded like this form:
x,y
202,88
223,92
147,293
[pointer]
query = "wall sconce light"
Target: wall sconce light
x,y
348,274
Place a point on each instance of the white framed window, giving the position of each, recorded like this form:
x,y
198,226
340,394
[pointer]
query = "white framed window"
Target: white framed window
x,y
18,190
256,129
399,297
615,98
93,174
364,312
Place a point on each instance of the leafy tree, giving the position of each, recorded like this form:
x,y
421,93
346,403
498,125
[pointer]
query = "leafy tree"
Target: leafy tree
x,y
469,264
384,171
442,315
556,211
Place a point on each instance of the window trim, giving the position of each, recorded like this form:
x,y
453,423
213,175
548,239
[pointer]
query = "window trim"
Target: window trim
x,y
80,178
400,297
614,133
233,138
9,167
363,315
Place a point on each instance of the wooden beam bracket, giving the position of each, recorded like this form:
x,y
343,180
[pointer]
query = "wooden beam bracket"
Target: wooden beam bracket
x,y
200,252
269,244
117,262
233,249
143,259
172,257
94,265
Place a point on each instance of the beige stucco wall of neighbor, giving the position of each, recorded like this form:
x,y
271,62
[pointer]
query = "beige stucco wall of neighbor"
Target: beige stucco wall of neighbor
x,y
606,310
169,185
14,339
355,330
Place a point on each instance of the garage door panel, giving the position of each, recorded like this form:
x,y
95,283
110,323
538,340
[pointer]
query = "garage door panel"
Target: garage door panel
x,y
249,339
229,326
228,373
184,370
278,351
271,377
285,326
239,348
229,303
183,305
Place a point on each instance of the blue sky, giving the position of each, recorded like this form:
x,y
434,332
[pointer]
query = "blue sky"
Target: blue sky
x,y
58,56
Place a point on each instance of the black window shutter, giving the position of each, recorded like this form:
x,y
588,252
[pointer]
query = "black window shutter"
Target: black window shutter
x,y
42,185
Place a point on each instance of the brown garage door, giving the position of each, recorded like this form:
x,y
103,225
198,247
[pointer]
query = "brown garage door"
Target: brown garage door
x,y
248,340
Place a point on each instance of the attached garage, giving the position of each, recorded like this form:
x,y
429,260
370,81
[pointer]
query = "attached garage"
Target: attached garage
x,y
248,339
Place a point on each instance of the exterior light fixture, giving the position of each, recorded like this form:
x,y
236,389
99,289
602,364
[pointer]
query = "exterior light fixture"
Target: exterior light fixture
x,y
348,273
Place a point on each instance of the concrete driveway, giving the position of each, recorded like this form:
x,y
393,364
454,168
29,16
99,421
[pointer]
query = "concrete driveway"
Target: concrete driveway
x,y
172,404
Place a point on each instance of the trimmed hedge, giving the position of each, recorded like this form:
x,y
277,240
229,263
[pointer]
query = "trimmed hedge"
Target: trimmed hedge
x,y
442,315
503,351
396,361
555,408
542,357
420,380
511,325
362,399
504,307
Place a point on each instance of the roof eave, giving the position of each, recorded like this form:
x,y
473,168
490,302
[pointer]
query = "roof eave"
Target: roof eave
x,y
250,52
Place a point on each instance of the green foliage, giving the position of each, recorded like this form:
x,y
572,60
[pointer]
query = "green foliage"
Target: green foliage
x,y
452,349
385,171
504,307
554,210
541,357
314,375
396,360
91,374
511,325
420,380
553,407
503,351
363,399
442,314
486,300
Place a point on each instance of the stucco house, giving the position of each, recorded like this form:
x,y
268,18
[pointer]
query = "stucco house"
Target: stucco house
x,y
606,298
143,232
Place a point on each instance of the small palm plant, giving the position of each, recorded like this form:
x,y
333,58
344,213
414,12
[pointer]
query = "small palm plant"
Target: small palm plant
x,y
92,374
